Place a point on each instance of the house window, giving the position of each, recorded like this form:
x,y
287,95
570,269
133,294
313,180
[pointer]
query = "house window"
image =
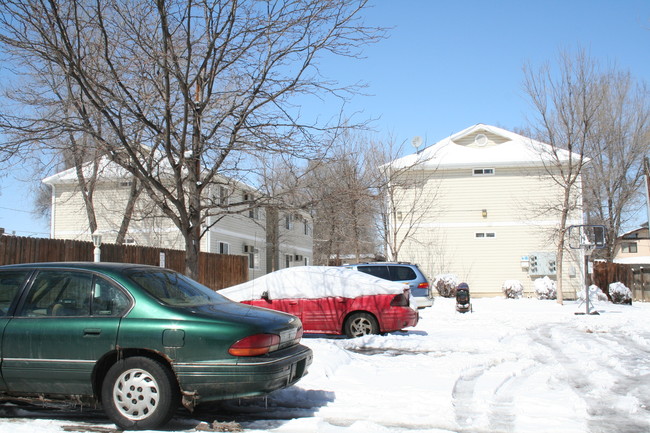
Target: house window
x,y
306,227
485,235
288,222
287,260
253,212
224,196
306,261
253,256
224,248
629,247
483,171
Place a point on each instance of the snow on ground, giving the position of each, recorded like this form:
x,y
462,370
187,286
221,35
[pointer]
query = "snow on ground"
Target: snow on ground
x,y
519,365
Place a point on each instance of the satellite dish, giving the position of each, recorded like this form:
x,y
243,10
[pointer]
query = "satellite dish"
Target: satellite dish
x,y
417,141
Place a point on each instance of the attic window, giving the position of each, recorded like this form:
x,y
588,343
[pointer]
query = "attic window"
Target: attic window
x,y
483,172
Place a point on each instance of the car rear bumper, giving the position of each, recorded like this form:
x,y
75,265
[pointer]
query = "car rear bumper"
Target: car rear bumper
x,y
244,377
398,318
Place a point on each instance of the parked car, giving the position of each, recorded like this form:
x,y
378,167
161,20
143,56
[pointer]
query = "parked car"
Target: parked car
x,y
331,300
138,339
401,272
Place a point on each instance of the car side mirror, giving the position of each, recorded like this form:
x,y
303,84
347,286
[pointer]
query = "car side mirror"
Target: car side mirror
x,y
265,295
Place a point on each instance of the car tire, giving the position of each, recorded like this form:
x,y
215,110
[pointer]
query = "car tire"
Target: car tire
x,y
360,324
140,393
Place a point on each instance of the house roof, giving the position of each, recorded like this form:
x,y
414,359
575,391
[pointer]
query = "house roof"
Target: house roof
x,y
484,145
105,169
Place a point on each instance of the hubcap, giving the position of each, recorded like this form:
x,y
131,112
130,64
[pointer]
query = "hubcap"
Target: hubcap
x,y
361,327
136,394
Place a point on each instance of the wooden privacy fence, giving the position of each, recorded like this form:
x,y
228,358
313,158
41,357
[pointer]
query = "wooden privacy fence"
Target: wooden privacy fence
x,y
635,277
215,270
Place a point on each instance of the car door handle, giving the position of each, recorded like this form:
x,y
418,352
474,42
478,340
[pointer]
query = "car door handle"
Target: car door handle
x,y
293,302
90,332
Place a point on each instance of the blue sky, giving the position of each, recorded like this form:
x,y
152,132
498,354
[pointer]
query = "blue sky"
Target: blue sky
x,y
446,66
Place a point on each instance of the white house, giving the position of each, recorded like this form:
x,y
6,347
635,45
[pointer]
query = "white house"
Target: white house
x,y
243,233
480,206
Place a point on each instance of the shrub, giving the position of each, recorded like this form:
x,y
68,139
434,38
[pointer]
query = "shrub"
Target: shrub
x,y
446,284
545,288
620,293
513,289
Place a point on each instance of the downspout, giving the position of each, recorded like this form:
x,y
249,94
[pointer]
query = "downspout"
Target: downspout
x,y
52,211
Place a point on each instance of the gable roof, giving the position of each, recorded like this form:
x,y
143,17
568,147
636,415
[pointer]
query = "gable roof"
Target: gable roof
x,y
485,146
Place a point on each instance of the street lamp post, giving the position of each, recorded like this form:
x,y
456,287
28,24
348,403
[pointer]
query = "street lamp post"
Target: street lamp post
x,y
97,241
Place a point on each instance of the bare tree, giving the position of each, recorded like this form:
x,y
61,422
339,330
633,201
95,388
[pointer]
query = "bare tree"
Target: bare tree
x,y
186,92
403,202
566,103
617,145
340,190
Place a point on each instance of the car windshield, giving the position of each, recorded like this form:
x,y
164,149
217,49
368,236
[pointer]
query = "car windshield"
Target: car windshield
x,y
174,289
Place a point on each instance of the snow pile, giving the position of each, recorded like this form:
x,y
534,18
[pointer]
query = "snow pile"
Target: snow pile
x,y
446,285
312,282
545,288
513,289
595,294
620,293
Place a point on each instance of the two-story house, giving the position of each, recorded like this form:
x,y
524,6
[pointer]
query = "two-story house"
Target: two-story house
x,y
482,206
237,229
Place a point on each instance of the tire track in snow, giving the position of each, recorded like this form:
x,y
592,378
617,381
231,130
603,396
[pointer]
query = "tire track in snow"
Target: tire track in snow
x,y
500,414
604,417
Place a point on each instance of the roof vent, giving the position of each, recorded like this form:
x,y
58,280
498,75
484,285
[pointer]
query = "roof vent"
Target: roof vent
x,y
480,140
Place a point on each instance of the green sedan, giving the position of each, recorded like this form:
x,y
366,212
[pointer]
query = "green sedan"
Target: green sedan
x,y
139,340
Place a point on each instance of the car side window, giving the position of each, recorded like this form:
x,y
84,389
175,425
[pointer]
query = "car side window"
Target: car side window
x,y
108,300
10,284
377,271
401,273
59,293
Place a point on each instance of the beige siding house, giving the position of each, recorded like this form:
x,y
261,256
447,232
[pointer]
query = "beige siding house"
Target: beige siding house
x,y
242,233
633,247
479,205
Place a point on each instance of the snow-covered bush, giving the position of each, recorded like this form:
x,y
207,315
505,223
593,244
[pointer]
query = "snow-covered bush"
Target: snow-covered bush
x,y
620,293
446,284
513,289
545,288
595,294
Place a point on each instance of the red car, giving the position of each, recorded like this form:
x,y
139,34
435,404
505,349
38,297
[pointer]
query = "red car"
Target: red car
x,y
332,300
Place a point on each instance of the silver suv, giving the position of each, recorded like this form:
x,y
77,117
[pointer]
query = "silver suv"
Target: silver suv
x,y
401,272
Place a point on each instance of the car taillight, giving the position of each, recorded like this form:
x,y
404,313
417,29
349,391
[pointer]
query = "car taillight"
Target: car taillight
x,y
423,286
255,345
298,335
400,301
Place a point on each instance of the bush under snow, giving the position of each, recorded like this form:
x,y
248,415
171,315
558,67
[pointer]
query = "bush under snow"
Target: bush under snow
x,y
620,293
446,285
545,288
513,289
